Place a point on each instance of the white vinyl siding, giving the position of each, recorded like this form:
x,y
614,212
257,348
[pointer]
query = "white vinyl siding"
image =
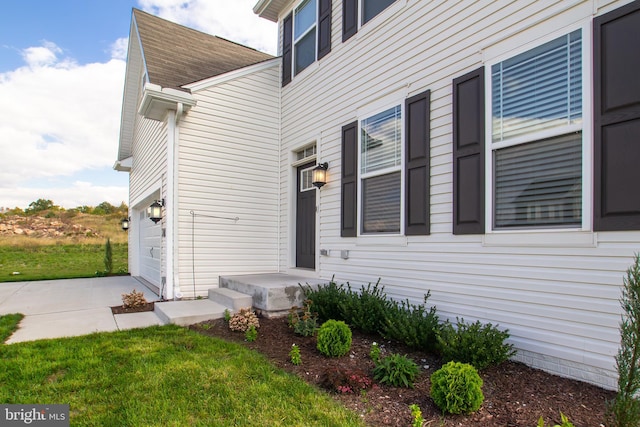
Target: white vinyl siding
x,y
228,168
556,291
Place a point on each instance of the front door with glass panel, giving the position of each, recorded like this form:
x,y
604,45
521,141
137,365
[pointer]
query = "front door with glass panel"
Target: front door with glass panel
x,y
305,217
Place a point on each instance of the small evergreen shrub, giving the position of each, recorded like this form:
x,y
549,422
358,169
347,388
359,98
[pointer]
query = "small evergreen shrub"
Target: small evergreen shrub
x,y
334,338
474,343
456,388
326,300
243,319
108,257
396,370
414,325
303,322
342,380
624,409
366,310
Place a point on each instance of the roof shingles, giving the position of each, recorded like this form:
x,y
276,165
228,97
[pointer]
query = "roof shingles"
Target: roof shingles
x,y
177,55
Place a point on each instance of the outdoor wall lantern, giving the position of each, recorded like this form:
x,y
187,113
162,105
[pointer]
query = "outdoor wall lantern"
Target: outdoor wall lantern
x,y
155,214
320,174
125,223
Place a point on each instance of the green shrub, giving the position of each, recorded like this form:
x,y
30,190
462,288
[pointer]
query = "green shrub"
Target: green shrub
x,y
366,310
303,322
456,388
334,338
396,370
563,418
477,344
251,334
108,257
624,410
326,300
413,325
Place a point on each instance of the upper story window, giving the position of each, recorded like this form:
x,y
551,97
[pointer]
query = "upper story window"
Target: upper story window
x,y
356,13
304,35
381,172
536,136
371,8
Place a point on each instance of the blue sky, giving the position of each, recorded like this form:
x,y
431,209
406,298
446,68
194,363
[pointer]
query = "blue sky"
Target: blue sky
x,y
62,69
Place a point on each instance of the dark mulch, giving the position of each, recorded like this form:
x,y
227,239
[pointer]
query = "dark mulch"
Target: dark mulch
x,y
515,395
119,309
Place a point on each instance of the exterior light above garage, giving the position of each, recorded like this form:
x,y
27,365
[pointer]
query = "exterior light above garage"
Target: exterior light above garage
x,y
320,174
155,210
125,224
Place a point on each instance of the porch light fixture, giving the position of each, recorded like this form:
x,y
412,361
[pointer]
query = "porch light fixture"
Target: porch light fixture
x,y
155,209
320,174
125,223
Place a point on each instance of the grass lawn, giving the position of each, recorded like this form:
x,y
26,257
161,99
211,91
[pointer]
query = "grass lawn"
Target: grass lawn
x,y
57,261
161,376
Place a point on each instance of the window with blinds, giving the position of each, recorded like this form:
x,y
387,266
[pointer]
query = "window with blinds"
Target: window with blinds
x,y
536,132
380,171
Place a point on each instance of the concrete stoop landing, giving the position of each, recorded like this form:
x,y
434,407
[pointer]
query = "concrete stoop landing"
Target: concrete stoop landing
x,y
270,294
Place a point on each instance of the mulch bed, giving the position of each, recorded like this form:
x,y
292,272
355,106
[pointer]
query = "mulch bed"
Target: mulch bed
x,y
119,309
515,395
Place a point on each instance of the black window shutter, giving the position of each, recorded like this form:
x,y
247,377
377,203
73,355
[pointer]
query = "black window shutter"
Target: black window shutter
x,y
417,113
468,153
324,28
349,18
287,48
349,183
617,119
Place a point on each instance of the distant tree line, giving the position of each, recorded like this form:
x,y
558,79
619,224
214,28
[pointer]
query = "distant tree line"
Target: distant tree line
x,y
47,208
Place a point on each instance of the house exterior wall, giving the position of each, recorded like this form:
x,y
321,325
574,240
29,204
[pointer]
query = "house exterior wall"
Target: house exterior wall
x,y
556,291
228,168
147,180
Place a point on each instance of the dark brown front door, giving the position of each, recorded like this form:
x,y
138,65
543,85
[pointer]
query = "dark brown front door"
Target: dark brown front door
x,y
305,218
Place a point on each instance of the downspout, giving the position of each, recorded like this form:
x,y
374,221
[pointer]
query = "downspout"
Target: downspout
x,y
172,202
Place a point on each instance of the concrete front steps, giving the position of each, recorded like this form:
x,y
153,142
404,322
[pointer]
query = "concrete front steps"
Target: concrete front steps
x,y
270,294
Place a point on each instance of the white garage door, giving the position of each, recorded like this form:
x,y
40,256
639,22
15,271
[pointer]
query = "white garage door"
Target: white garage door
x,y
150,249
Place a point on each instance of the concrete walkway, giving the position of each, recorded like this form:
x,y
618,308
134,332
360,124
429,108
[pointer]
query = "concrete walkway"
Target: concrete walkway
x,y
62,308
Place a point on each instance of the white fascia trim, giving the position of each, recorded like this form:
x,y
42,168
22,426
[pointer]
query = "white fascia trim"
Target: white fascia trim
x,y
265,9
156,101
123,165
231,75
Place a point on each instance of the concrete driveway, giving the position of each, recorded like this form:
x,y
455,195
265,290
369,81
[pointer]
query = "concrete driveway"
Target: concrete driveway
x,y
61,308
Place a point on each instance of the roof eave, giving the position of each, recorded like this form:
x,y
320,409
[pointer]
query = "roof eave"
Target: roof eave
x,y
156,101
269,9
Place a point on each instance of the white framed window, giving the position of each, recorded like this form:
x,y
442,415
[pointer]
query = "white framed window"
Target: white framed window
x,y
305,18
380,172
371,8
306,179
536,155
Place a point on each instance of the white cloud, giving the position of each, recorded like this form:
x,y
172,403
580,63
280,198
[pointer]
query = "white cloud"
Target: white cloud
x,y
57,117
44,55
230,19
119,48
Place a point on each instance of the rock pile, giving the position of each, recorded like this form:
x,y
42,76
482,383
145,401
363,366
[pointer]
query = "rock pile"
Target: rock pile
x,y
37,226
